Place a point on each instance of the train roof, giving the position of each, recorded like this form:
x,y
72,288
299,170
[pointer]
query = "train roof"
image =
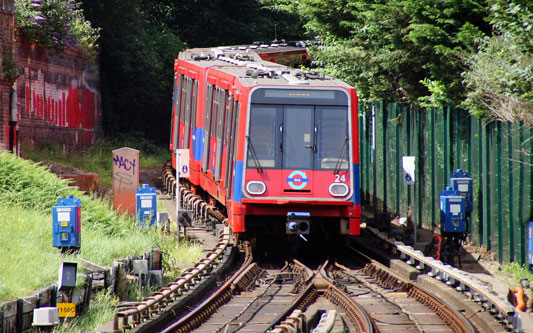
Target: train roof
x,y
248,67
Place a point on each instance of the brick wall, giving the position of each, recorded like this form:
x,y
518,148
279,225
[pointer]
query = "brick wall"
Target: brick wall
x,y
57,96
6,46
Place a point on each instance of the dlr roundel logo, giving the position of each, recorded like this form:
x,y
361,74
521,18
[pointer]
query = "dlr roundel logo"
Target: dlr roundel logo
x,y
297,180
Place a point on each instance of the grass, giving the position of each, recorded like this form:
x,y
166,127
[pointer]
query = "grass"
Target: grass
x,y
27,193
99,158
516,271
100,311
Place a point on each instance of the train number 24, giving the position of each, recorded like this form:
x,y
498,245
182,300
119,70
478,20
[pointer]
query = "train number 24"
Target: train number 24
x,y
340,178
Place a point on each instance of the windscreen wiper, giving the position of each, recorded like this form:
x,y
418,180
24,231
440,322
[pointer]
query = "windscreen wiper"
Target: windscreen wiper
x,y
339,163
254,155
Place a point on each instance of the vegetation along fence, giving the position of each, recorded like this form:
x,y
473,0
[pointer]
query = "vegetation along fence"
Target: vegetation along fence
x,y
498,156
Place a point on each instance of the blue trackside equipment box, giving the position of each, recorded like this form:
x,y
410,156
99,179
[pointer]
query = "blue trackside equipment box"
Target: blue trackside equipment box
x,y
461,181
146,206
452,211
66,223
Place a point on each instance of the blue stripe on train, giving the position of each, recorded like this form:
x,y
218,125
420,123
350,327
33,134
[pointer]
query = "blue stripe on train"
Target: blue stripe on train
x,y
237,181
355,185
198,144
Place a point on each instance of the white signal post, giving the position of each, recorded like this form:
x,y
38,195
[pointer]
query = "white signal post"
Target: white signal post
x,y
409,167
182,170
178,157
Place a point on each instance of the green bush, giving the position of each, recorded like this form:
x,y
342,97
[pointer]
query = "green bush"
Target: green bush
x,y
99,158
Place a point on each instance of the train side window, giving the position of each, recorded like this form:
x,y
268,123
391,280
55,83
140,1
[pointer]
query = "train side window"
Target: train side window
x,y
221,114
194,105
208,106
188,101
183,99
227,136
188,109
214,112
332,147
227,123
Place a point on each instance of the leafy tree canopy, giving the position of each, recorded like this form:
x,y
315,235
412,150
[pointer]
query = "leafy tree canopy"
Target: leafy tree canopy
x,y
141,38
56,24
499,78
389,49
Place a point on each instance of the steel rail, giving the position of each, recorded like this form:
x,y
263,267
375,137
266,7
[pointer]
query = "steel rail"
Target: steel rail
x,y
291,319
355,312
457,322
306,297
140,311
143,310
202,312
462,281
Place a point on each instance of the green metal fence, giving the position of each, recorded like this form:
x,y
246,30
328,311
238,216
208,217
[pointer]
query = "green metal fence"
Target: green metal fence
x,y
498,156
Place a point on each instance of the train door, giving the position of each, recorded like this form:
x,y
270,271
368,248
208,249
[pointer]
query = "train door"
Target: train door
x,y
232,146
227,137
299,145
216,110
183,107
176,112
222,109
193,116
207,127
187,101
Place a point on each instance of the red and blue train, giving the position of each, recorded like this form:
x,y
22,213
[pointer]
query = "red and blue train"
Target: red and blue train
x,y
276,146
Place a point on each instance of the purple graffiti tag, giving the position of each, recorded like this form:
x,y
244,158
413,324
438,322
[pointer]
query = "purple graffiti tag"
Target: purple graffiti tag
x,y
124,163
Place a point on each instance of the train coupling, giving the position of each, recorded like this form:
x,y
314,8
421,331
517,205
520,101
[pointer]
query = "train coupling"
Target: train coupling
x,y
298,223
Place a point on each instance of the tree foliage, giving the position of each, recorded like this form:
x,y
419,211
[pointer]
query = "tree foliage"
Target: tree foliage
x,y
475,53
499,78
56,24
223,22
141,38
136,61
386,49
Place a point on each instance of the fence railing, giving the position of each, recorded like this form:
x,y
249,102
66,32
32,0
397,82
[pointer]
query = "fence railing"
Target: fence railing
x,y
498,156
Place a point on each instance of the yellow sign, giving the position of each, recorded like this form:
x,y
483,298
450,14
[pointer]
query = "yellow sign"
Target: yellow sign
x,y
66,309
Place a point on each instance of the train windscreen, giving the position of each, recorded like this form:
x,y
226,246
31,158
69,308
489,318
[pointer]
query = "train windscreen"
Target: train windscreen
x,y
298,137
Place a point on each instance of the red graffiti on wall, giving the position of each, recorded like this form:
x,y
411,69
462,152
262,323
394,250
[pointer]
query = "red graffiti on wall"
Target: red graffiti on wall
x,y
63,108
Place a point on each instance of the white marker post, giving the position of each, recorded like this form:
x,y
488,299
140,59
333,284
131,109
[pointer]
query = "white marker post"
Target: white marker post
x,y
182,170
409,167
178,168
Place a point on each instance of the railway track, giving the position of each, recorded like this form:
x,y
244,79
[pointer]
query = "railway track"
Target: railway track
x,y
294,298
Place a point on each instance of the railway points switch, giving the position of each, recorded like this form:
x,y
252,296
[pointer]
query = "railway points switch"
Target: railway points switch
x,y
66,224
146,206
452,211
461,181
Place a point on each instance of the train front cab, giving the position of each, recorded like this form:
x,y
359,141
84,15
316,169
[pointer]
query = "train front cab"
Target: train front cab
x,y
301,157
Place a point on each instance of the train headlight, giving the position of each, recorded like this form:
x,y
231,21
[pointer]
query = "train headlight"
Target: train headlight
x,y
338,189
256,187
